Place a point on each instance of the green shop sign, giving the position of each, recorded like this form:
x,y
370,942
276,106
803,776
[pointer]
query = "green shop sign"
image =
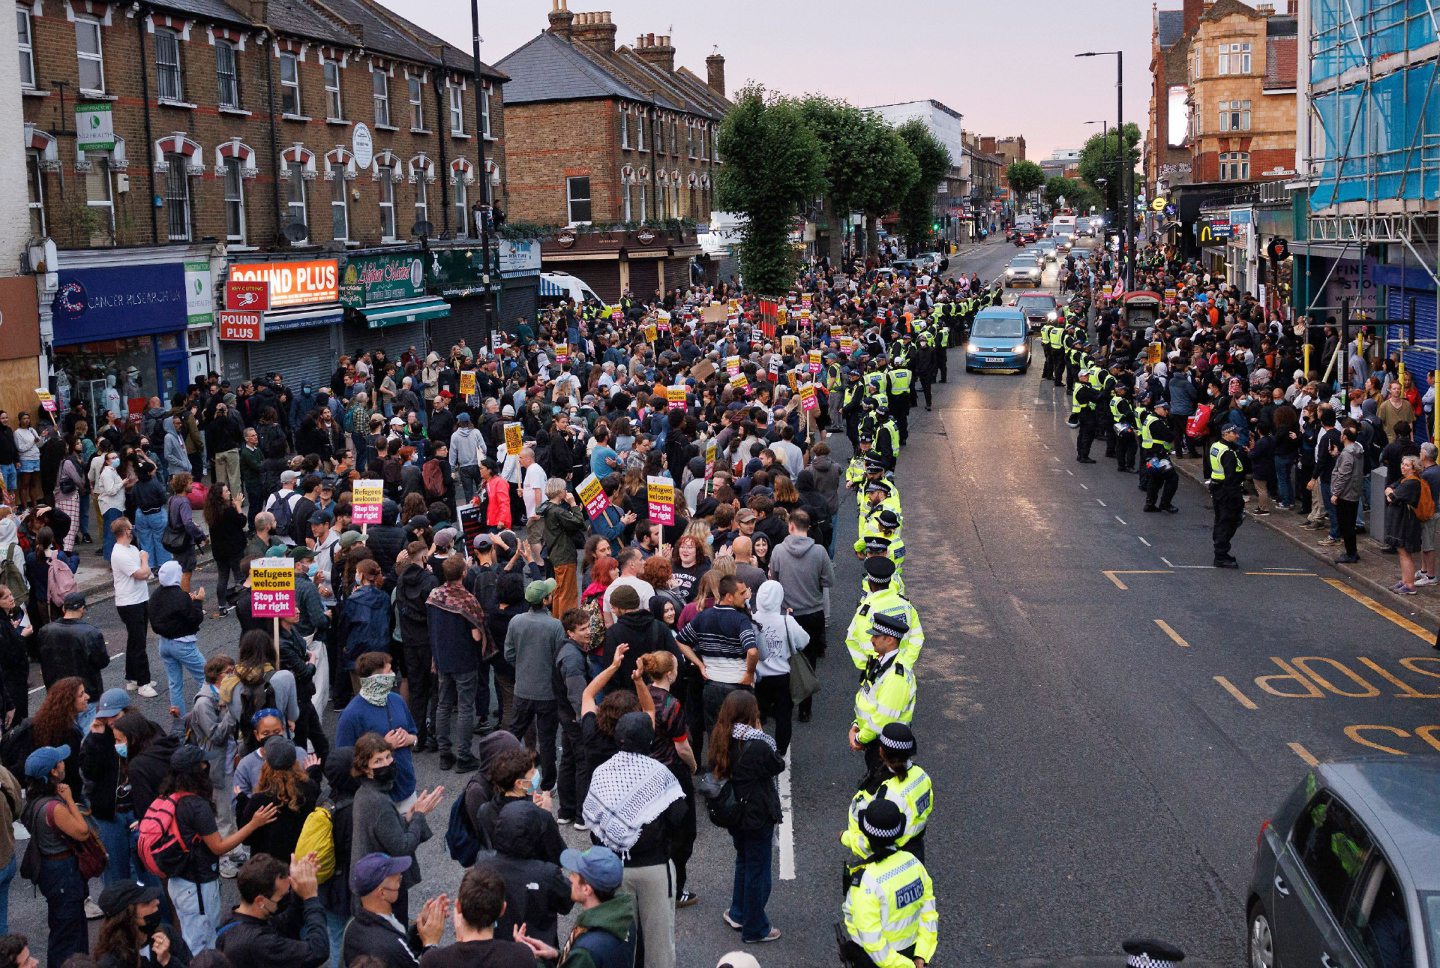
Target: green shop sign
x,y
461,272
371,279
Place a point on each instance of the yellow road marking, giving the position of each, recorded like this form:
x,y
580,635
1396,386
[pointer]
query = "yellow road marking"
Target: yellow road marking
x,y
1284,574
1124,587
1304,754
1239,696
1174,635
1379,609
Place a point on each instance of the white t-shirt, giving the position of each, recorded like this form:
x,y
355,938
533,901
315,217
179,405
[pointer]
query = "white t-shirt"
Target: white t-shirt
x,y
532,488
124,562
643,588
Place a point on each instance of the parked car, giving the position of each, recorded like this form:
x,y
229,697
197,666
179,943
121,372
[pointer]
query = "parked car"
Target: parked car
x,y
1347,873
1025,269
999,340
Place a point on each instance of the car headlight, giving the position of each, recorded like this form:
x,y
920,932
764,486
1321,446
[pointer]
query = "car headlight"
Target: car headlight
x,y
1050,315
972,348
1009,270
1020,348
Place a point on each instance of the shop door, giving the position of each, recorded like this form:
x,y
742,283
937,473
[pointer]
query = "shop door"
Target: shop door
x,y
173,365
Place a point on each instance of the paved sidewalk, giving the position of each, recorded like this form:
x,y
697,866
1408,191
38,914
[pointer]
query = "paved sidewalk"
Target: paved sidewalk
x,y
94,578
1375,569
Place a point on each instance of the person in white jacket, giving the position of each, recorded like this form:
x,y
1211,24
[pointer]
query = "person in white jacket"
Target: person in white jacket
x,y
109,490
780,637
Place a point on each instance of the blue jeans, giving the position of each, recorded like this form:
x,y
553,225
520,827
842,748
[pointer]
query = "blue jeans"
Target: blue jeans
x,y
335,928
7,874
198,908
84,514
1330,513
178,656
10,475
64,893
1285,478
105,535
119,842
148,529
751,891
455,714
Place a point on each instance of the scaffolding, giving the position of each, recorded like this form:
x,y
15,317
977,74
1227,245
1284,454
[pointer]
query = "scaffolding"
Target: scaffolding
x,y
1374,109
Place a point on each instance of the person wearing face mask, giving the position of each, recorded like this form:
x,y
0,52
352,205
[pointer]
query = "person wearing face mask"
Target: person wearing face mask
x,y
515,778
378,708
132,934
109,491
107,787
279,922
54,822
378,825
374,930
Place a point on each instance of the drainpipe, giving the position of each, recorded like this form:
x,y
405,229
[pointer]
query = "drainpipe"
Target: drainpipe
x,y
442,114
140,14
269,49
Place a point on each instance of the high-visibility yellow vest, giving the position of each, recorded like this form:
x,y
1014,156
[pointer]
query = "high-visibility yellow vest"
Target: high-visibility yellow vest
x,y
1217,469
887,698
899,381
914,795
890,908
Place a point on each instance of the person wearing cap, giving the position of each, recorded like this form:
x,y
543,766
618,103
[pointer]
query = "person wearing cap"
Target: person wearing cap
x,y
133,924
1227,469
890,920
1085,409
176,616
1158,477
1149,953
374,930
265,930
282,505
106,788
55,822
532,642
283,783
887,686
899,781
882,594
71,646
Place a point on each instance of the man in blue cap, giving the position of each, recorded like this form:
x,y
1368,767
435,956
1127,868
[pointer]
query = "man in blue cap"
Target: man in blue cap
x,y
375,882
604,935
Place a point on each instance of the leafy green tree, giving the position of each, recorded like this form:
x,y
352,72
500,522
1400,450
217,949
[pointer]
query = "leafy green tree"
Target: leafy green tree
x,y
1076,193
774,168
1101,158
1024,177
917,207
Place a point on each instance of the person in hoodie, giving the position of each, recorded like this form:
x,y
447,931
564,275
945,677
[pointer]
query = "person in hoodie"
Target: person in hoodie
x,y
514,779
413,585
467,449
804,570
177,460
176,616
536,889
146,750
780,635
378,708
364,622
605,931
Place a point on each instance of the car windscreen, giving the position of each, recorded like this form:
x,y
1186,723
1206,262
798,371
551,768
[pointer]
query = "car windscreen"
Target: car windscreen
x,y
998,328
1023,262
1036,304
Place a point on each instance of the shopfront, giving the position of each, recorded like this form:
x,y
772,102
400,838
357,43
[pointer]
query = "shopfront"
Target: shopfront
x,y
386,303
119,333
299,337
458,275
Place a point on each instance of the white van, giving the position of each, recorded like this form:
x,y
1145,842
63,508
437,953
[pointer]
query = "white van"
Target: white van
x,y
562,285
1063,224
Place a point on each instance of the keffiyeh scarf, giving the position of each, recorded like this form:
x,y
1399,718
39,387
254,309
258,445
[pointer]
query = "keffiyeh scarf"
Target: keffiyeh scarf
x,y
742,732
628,791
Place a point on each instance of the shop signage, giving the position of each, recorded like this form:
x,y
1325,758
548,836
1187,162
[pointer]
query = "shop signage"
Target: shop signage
x,y
1212,230
362,145
241,325
519,258
371,279
293,283
645,236
253,296
565,239
114,302
461,272
199,294
94,128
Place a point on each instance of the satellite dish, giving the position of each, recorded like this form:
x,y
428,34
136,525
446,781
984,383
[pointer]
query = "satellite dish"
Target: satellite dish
x,y
296,232
422,228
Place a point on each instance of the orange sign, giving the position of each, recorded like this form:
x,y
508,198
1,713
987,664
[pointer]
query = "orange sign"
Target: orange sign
x,y
293,283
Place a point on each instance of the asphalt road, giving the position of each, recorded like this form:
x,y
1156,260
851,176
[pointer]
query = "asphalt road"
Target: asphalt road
x,y
1098,774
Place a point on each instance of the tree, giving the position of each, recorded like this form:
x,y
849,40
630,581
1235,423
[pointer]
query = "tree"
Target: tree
x,y
1078,195
917,208
1024,177
867,169
774,167
1101,158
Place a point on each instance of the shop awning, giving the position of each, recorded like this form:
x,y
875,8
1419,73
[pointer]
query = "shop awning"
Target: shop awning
x,y
548,288
408,311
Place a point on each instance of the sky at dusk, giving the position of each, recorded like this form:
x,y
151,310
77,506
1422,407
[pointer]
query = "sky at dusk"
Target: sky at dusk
x,y
1007,66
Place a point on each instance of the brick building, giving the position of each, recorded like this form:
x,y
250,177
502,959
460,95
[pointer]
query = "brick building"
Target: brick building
x,y
1166,157
172,144
613,150
1008,150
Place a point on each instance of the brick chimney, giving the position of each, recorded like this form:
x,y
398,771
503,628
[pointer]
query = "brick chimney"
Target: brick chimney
x,y
1193,10
594,30
656,51
715,72
987,145
560,19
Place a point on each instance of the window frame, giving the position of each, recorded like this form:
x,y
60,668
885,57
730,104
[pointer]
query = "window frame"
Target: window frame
x,y
628,209
177,173
572,199
334,105
690,139
624,131
82,56
234,206
35,191
224,79
640,131
415,96
456,94
174,72
292,86
485,112
295,183
339,200
100,166
386,202
422,197
380,96
461,201
25,23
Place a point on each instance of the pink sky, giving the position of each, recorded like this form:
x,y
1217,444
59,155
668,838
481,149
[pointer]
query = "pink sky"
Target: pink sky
x,y
1007,67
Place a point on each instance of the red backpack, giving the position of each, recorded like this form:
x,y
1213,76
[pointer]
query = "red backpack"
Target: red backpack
x,y
161,846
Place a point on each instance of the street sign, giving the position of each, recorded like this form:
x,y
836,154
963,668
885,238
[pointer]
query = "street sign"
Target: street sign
x,y
1158,203
243,327
251,295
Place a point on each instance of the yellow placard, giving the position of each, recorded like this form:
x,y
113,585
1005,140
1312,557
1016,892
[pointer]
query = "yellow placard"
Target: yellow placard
x,y
367,492
278,576
789,344
732,365
675,396
467,383
589,488
514,438
651,333
739,382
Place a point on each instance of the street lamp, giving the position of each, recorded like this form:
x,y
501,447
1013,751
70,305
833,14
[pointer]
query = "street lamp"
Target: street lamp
x,y
1127,191
487,204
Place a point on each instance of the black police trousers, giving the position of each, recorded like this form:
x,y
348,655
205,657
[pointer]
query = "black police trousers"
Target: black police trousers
x,y
1161,488
1125,445
1086,436
1229,515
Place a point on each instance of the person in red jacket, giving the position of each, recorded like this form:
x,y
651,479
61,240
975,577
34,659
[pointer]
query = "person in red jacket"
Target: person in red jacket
x,y
497,496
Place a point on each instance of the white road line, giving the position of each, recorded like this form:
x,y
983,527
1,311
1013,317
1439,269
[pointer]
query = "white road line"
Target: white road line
x,y
1162,557
1067,470
1142,540
787,826
1101,503
1086,487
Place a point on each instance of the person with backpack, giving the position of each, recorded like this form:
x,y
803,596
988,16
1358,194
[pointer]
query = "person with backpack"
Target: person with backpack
x,y
378,824
180,840
282,504
72,646
374,931
183,537
378,708
210,725
290,789
55,823
261,684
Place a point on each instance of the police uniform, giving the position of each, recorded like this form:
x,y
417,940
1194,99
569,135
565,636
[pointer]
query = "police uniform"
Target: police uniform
x,y
1159,479
889,911
886,439
911,791
1122,421
887,598
898,387
1085,409
1226,481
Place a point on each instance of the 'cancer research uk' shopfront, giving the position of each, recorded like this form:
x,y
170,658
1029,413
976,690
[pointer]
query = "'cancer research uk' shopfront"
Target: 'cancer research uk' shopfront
x,y
119,334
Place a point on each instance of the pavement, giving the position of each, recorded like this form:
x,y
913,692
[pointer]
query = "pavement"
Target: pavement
x,y
1107,719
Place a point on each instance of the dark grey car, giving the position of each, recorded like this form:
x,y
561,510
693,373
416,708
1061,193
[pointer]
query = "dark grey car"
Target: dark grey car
x,y
1347,874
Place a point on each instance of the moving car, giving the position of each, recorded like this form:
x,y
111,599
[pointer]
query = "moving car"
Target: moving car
x,y
1024,269
999,340
1050,248
929,260
1347,874
1085,226
1039,308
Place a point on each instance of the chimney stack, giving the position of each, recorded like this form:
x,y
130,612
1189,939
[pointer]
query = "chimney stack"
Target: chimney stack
x,y
596,31
656,51
715,72
1193,10
561,19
